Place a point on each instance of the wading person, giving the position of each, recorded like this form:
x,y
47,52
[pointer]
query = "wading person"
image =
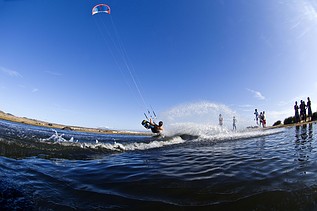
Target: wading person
x,y
220,120
256,113
296,112
234,122
302,108
309,112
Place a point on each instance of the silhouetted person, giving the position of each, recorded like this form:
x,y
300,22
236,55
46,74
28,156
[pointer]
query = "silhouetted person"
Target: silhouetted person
x,y
296,112
310,113
302,108
234,124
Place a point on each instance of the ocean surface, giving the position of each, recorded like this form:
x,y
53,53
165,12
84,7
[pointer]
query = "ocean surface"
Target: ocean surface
x,y
45,169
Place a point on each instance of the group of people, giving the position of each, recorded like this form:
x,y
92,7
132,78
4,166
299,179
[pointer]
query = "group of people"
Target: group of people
x,y
300,111
234,122
260,119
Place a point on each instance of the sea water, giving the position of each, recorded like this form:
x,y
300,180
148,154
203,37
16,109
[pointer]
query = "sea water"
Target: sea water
x,y
210,168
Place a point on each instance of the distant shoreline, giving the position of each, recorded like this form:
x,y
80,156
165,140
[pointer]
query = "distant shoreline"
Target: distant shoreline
x,y
296,124
291,125
34,122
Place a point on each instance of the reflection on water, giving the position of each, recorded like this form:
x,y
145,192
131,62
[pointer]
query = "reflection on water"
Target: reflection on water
x,y
264,172
303,142
260,147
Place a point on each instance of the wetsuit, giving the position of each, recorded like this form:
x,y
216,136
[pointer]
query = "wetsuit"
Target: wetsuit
x,y
155,129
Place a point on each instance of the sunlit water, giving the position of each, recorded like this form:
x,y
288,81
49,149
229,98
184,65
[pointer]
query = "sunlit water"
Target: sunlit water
x,y
42,169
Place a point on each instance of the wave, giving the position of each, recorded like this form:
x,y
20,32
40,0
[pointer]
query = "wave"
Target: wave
x,y
23,140
189,133
210,132
149,143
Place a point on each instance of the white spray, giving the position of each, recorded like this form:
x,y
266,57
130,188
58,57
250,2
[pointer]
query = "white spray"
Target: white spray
x,y
202,118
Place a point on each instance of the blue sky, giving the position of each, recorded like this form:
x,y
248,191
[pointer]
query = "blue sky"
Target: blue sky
x,y
60,64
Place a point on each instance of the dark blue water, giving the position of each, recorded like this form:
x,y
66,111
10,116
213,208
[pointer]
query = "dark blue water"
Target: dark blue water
x,y
250,170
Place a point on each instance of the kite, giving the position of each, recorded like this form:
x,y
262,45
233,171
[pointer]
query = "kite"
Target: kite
x,y
99,8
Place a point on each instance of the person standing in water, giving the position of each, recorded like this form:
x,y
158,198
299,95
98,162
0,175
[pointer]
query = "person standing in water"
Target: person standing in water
x,y
220,120
234,124
256,113
309,112
263,119
296,112
302,108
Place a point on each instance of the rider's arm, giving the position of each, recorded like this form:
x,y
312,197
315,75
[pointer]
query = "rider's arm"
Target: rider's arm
x,y
151,122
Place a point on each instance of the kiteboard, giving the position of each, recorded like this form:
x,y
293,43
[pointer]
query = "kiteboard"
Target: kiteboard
x,y
146,124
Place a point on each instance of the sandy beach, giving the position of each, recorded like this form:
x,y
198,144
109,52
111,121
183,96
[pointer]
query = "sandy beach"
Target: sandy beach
x,y
25,120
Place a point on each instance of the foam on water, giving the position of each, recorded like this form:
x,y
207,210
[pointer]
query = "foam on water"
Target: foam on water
x,y
202,119
137,145
58,138
214,132
114,146
199,132
196,120
204,113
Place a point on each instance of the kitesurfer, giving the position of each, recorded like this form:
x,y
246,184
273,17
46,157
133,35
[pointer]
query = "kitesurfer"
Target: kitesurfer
x,y
156,128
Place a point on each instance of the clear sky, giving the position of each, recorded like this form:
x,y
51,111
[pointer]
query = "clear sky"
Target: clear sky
x,y
60,64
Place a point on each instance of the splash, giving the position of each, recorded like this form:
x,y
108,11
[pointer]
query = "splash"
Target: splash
x,y
185,123
202,118
114,145
58,138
